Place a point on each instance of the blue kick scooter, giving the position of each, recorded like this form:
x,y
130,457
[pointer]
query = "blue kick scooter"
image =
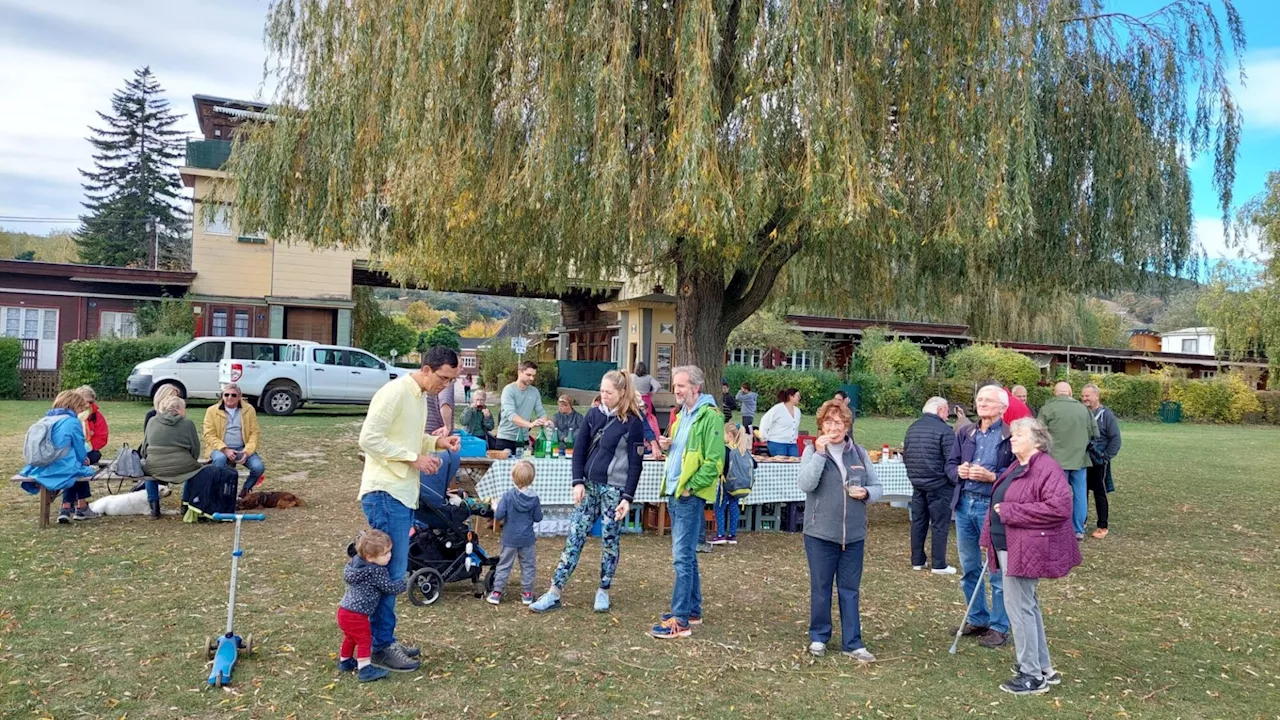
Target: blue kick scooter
x,y
223,650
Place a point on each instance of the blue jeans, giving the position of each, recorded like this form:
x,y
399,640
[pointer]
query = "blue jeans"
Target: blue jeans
x,y
219,459
829,562
153,490
783,449
686,518
389,515
971,513
1079,497
727,513
433,488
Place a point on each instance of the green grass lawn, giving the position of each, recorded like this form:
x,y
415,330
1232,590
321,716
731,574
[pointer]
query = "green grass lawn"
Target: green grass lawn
x,y
1177,614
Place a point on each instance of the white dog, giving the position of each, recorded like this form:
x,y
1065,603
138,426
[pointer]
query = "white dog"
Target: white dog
x,y
130,503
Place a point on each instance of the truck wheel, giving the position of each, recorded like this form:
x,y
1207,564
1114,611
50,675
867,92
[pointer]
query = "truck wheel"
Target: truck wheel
x,y
280,400
182,391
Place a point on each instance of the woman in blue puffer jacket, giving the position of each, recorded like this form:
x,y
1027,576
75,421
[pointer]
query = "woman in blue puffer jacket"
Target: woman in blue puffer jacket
x,y
65,473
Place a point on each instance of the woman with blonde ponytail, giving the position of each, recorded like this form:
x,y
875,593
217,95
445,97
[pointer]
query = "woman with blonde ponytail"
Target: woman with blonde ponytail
x,y
606,469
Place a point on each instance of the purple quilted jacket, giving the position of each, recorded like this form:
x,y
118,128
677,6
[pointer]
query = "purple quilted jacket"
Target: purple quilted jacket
x,y
1036,512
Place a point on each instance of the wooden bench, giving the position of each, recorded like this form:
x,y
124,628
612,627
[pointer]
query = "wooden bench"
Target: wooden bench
x,y
47,497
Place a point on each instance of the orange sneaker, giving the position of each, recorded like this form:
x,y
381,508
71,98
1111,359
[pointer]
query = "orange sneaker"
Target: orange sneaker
x,y
1100,533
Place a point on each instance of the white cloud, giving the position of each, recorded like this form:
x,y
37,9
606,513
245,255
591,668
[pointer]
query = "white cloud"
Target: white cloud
x,y
1260,97
61,62
1209,235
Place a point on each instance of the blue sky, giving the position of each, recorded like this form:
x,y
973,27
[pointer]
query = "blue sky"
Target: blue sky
x,y
61,61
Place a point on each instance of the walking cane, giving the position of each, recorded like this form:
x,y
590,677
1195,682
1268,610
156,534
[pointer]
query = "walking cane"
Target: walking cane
x,y
985,559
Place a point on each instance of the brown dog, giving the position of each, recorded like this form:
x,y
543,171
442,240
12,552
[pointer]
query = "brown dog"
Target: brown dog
x,y
281,500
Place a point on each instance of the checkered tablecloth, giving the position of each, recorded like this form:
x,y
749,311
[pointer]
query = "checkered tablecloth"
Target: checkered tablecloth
x,y
774,482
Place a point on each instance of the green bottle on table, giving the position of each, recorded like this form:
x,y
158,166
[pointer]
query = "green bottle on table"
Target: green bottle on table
x,y
549,442
568,444
539,448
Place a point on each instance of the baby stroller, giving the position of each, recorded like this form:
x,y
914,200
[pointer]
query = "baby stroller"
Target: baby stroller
x,y
445,549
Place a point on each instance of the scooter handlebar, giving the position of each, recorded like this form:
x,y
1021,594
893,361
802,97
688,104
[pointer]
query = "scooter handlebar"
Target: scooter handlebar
x,y
242,516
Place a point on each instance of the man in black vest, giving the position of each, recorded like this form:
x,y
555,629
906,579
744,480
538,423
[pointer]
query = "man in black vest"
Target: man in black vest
x,y
925,452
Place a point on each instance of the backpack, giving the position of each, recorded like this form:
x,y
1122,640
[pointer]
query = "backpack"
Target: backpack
x,y
741,474
38,449
128,463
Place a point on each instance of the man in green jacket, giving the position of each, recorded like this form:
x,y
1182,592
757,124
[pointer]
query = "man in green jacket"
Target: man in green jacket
x,y
695,461
1072,427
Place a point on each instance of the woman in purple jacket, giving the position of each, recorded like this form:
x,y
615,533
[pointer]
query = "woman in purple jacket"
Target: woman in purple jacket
x,y
1028,536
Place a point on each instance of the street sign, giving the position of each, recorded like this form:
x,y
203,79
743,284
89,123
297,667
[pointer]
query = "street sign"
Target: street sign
x,y
520,345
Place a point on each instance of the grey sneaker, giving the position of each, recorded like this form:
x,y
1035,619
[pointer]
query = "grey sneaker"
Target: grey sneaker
x,y
817,649
862,655
393,658
705,547
411,650
64,516
85,514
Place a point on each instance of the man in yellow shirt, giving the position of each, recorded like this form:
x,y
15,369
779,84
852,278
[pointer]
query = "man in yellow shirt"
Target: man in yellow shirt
x,y
396,452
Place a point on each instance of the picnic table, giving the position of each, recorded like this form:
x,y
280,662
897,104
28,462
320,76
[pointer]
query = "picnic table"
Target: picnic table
x,y
775,482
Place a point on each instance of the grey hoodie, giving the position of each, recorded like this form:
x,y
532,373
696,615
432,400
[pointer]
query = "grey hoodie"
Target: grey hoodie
x,y
829,513
517,511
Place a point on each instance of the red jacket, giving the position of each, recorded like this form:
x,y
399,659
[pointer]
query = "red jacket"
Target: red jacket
x,y
98,432
1016,410
1036,512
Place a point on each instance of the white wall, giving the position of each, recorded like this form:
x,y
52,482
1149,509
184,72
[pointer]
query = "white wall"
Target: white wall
x,y
1173,343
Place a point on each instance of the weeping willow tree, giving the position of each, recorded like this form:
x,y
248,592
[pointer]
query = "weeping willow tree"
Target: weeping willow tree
x,y
860,153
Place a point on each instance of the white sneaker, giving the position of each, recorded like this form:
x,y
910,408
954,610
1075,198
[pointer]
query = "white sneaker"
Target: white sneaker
x,y
862,655
817,649
948,570
917,567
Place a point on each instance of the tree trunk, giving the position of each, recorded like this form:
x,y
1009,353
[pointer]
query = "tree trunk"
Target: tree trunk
x,y
701,332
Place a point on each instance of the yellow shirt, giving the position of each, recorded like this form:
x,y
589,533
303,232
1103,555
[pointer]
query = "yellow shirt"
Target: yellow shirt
x,y
392,438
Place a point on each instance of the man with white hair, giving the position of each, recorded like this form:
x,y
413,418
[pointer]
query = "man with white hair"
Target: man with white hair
x,y
1072,428
695,460
980,453
925,451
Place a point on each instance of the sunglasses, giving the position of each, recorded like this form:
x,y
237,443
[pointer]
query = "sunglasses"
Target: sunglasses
x,y
230,395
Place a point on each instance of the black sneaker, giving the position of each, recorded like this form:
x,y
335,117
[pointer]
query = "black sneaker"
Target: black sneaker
x,y
409,650
393,658
1023,684
64,516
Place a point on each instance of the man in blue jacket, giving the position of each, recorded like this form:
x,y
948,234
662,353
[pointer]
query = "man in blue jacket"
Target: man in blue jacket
x,y
926,449
980,453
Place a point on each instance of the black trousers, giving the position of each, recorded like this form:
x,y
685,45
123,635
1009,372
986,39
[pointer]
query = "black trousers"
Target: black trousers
x,y
1096,482
504,444
930,509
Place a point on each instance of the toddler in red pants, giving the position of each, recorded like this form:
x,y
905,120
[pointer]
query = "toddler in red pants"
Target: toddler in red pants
x,y
367,581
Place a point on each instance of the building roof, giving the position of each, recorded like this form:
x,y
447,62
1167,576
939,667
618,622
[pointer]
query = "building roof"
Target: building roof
x,y
652,301
1191,331
97,273
856,326
473,343
1126,354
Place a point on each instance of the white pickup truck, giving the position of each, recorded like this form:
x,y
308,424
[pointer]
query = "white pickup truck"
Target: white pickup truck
x,y
304,373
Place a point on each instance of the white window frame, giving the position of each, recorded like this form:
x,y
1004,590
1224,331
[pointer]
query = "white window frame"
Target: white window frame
x,y
235,330
43,328
1194,343
220,223
469,362
1208,374
804,359
1094,369
116,323
749,357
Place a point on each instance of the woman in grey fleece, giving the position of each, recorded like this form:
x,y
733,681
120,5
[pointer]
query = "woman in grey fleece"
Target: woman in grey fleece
x,y
838,481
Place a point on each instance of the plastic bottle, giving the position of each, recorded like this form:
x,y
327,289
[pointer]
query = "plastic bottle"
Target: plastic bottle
x,y
886,454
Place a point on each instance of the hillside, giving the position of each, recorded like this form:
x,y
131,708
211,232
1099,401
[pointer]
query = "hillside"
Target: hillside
x,y
47,248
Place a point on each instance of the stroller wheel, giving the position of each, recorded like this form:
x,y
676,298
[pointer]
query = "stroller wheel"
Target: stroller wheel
x,y
488,580
425,586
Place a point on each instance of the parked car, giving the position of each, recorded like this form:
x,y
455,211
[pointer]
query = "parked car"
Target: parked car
x,y
330,374
193,368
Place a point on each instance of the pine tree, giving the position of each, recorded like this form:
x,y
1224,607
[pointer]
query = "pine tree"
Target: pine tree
x,y
134,193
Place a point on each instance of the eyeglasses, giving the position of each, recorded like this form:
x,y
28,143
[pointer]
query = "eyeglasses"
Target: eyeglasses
x,y
230,395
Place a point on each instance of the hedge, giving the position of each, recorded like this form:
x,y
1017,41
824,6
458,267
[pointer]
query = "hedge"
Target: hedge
x,y
815,387
10,356
1268,408
498,364
105,364
1226,398
979,363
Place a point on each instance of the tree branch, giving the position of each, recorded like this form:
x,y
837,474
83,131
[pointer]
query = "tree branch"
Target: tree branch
x,y
739,307
726,69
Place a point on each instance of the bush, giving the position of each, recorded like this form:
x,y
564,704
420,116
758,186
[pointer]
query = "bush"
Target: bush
x,y
548,382
167,317
1037,396
978,363
10,356
890,373
955,391
1269,407
1226,398
1131,396
105,363
816,386
440,335
497,365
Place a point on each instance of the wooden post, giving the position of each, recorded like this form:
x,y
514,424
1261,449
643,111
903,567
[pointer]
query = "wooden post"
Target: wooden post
x,y
44,507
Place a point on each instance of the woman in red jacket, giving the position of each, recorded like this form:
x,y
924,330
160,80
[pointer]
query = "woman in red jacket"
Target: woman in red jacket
x,y
1028,536
95,426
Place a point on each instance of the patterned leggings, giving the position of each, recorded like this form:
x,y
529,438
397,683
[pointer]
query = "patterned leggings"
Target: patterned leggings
x,y
601,502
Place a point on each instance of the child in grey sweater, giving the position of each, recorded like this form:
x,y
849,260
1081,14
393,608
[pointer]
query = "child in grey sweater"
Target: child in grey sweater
x,y
517,510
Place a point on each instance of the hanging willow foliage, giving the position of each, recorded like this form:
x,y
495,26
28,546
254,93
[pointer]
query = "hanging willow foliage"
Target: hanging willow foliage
x,y
887,154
